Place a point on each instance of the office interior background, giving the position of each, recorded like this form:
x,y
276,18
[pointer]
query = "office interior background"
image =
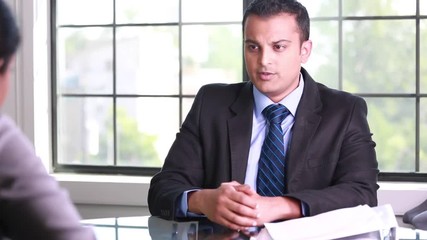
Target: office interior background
x,y
87,86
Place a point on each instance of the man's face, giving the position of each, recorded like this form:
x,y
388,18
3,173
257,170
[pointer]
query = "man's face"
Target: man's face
x,y
274,54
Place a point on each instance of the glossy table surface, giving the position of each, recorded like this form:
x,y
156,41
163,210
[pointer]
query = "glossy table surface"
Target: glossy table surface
x,y
149,227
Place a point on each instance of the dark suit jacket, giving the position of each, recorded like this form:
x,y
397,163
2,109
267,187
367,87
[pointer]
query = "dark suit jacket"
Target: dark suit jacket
x,y
331,163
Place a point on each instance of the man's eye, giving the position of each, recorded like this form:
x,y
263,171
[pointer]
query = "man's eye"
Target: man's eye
x,y
279,47
252,47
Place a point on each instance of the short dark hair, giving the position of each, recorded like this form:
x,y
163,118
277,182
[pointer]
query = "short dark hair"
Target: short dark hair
x,y
268,8
9,35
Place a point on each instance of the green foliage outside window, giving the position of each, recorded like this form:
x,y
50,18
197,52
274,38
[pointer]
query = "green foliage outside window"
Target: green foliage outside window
x,y
378,60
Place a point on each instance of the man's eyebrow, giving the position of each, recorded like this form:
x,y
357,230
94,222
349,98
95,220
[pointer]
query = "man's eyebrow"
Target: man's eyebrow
x,y
274,42
282,40
250,41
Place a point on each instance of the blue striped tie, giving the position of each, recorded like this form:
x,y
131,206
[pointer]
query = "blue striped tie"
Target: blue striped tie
x,y
271,165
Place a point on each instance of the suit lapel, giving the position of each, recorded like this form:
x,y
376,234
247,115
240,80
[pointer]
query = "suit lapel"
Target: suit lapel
x,y
307,120
240,130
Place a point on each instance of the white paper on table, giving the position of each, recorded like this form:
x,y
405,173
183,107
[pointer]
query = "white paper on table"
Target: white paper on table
x,y
386,213
335,224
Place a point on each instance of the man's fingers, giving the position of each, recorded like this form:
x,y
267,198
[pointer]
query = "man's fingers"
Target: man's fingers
x,y
237,222
244,198
245,189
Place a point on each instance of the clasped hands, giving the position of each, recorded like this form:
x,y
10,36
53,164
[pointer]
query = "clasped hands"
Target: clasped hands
x,y
238,207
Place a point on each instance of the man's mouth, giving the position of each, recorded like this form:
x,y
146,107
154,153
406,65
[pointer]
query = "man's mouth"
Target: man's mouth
x,y
265,75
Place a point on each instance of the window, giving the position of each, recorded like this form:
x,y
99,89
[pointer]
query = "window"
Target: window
x,y
375,49
125,78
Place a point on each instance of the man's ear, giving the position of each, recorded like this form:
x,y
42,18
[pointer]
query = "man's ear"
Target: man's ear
x,y
1,62
305,50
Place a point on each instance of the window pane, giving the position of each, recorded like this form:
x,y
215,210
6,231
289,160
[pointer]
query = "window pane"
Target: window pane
x,y
377,60
146,128
423,135
77,12
147,60
423,7
147,11
423,55
212,11
105,233
323,62
378,7
392,121
85,127
84,60
211,54
324,8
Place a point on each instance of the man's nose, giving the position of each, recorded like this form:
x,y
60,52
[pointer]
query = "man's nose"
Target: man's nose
x,y
265,57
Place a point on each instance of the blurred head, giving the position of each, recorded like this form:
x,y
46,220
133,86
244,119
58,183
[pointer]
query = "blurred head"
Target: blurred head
x,y
276,39
9,42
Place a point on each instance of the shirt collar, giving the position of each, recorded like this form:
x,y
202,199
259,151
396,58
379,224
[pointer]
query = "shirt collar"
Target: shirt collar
x,y
290,102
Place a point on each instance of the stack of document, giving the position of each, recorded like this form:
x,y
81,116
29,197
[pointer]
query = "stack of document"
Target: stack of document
x,y
341,223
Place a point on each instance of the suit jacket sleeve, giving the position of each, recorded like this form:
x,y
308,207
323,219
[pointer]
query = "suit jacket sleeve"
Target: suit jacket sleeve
x,y
182,169
32,204
212,146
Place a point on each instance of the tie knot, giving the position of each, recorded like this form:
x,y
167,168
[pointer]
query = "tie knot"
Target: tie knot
x,y
275,113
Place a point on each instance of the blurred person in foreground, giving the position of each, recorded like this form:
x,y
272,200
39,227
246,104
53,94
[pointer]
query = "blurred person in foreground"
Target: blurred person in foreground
x,y
32,204
219,165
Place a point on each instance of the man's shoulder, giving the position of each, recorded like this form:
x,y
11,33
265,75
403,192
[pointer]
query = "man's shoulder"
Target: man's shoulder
x,y
220,94
331,94
9,131
326,93
225,86
224,90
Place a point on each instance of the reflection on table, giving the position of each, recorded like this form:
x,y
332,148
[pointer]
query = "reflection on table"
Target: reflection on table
x,y
149,227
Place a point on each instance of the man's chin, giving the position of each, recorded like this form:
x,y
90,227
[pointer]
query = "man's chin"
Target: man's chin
x,y
265,87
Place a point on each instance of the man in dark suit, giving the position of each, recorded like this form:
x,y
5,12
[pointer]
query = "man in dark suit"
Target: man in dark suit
x,y
212,167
